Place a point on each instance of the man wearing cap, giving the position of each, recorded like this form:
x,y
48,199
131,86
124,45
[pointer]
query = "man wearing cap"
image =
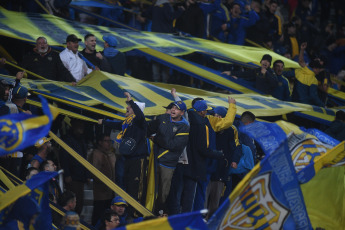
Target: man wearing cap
x,y
169,107
19,96
133,131
262,78
90,53
119,205
46,63
71,60
116,59
171,137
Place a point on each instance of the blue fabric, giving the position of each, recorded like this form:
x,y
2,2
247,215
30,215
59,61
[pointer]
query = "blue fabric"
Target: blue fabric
x,y
110,52
15,138
282,91
246,162
278,178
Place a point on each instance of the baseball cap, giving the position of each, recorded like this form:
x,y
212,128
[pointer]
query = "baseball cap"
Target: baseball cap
x,y
220,110
41,141
118,200
201,105
169,106
72,38
111,40
20,92
180,105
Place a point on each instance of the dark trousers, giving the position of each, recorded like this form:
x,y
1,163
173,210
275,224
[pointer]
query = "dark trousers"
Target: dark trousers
x,y
135,180
99,206
176,188
200,195
188,194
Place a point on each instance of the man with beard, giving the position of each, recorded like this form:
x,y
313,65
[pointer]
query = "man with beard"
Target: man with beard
x,y
71,60
90,53
46,63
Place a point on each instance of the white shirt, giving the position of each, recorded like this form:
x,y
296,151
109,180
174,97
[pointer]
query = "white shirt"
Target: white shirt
x,y
75,65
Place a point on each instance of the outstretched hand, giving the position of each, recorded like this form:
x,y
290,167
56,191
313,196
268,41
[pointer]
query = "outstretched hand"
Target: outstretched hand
x,y
231,100
128,96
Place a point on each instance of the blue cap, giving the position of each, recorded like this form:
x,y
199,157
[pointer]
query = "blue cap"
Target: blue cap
x,y
220,110
118,200
111,40
181,105
20,92
201,105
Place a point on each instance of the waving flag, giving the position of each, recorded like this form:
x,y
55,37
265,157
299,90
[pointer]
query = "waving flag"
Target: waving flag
x,y
192,220
308,153
269,197
22,130
26,200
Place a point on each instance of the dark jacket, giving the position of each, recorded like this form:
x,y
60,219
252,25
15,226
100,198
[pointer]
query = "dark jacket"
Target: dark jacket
x,y
163,17
266,83
198,149
192,21
336,130
228,142
170,140
48,66
116,60
136,130
70,165
102,64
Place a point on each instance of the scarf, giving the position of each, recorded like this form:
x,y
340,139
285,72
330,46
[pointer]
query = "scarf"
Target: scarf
x,y
125,125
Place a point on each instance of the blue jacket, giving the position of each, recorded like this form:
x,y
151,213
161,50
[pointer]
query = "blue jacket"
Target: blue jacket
x,y
305,88
237,27
282,91
219,17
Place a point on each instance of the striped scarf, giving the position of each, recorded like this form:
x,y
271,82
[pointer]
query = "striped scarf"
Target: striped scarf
x,y
125,125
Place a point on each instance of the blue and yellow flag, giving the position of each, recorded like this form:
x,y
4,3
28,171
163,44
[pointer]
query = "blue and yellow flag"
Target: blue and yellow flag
x,y
269,197
22,130
309,154
192,220
26,201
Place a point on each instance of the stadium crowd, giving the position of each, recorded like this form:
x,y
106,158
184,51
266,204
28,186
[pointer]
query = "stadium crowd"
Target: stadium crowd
x,y
197,151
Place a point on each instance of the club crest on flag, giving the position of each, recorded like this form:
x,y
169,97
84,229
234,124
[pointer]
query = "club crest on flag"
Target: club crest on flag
x,y
256,207
305,150
11,134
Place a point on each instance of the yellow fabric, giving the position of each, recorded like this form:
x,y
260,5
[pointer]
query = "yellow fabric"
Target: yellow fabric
x,y
325,200
294,46
306,76
127,121
13,194
163,153
237,140
5,180
219,124
207,136
150,193
182,134
64,112
102,177
156,224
